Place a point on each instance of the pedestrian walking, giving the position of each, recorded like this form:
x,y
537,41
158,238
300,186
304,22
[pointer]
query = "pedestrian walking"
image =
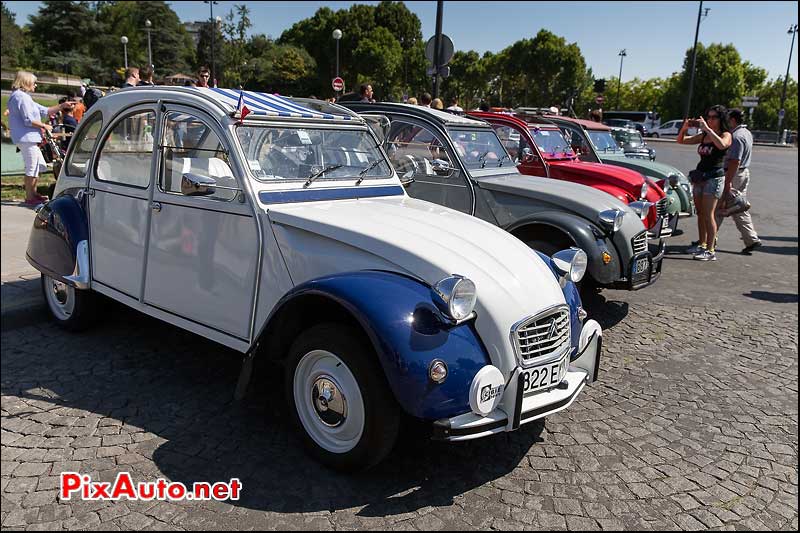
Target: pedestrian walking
x,y
203,75
25,122
454,107
737,177
147,77
425,99
708,179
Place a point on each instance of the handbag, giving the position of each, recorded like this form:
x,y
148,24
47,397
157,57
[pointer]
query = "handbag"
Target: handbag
x,y
734,202
698,176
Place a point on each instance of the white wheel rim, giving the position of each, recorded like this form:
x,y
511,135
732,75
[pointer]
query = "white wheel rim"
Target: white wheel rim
x,y
60,298
328,401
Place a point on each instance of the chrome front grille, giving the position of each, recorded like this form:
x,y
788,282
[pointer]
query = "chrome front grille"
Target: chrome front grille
x,y
639,243
544,334
661,207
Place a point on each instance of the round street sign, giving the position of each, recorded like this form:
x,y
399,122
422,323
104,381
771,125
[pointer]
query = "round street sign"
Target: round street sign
x,y
448,49
599,99
337,84
781,113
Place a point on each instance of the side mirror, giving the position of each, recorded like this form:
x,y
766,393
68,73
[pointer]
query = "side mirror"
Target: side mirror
x,y
528,156
197,185
407,179
442,168
380,125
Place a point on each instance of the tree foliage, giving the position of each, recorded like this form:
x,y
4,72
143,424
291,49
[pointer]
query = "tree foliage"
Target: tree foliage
x,y
12,38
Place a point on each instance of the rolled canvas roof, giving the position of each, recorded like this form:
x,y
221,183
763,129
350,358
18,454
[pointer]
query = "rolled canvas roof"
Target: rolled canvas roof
x,y
267,104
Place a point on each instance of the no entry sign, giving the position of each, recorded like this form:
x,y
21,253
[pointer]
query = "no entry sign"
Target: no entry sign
x,y
337,84
599,100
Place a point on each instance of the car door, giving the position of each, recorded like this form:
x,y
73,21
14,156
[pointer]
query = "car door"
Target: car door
x,y
203,244
516,142
119,200
418,151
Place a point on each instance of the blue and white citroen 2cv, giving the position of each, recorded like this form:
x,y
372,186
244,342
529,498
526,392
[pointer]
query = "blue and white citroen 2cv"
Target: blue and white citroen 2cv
x,y
286,235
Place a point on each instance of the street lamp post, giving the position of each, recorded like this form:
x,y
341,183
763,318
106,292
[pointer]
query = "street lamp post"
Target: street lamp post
x,y
147,26
793,31
213,36
337,35
701,14
124,41
622,54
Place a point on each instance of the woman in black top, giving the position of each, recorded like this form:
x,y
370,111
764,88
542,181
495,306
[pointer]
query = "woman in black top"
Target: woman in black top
x,y
709,177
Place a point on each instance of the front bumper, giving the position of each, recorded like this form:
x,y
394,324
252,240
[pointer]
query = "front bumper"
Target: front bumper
x,y
634,282
582,371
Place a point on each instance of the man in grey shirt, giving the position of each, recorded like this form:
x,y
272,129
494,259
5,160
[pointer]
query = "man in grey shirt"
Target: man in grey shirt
x,y
737,176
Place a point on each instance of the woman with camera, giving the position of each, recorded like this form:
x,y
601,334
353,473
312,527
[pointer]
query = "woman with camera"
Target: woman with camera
x,y
708,179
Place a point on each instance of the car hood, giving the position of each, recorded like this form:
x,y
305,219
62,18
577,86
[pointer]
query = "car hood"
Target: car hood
x,y
648,168
628,179
562,195
429,242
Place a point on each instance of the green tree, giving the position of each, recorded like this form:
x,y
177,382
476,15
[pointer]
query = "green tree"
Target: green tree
x,y
380,58
235,27
12,38
60,28
765,115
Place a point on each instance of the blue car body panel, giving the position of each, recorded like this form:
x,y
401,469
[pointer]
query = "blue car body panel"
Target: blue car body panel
x,y
408,332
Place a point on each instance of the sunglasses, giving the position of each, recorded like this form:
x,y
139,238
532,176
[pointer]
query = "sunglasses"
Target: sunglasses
x,y
205,75
709,117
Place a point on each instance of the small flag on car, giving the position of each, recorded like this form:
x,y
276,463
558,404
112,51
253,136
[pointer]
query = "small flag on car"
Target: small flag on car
x,y
241,108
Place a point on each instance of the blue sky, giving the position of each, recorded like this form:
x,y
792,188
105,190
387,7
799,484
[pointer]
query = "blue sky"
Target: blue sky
x,y
655,34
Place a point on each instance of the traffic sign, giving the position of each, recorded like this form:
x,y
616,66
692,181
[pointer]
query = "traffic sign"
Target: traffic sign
x,y
750,101
599,100
448,49
781,114
337,84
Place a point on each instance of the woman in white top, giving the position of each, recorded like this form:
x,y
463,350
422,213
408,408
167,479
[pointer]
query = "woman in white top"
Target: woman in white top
x,y
25,119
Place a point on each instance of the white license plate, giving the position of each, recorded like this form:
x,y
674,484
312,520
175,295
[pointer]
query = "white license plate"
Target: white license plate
x,y
543,377
641,265
665,223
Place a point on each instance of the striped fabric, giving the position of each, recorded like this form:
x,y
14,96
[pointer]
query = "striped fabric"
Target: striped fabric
x,y
268,104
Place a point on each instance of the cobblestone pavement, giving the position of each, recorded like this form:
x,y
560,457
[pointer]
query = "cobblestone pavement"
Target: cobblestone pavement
x,y
693,425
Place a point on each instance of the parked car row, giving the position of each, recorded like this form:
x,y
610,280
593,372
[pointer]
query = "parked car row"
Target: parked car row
x,y
400,263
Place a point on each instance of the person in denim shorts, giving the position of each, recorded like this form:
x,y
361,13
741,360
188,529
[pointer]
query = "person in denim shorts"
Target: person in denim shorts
x,y
708,178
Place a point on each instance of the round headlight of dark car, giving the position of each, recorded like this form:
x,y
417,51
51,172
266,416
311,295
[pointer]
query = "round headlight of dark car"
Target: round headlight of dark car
x,y
674,180
612,219
455,296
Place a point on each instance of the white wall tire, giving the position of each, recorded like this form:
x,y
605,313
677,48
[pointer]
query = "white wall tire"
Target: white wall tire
x,y
70,308
338,397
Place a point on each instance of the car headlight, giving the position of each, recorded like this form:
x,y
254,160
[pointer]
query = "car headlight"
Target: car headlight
x,y
641,208
571,263
612,219
674,180
455,296
644,190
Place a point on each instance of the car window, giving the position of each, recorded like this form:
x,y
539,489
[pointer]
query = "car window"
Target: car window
x,y
299,153
82,146
191,146
551,143
479,148
416,149
127,151
513,141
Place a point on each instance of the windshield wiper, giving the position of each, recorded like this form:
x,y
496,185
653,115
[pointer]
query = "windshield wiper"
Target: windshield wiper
x,y
482,157
314,175
500,161
367,169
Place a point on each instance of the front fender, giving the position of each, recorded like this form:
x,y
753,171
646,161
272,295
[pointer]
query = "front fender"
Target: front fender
x,y
408,332
58,243
585,235
573,299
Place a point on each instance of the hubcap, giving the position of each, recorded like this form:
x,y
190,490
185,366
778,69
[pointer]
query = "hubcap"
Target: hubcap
x,y
60,298
328,401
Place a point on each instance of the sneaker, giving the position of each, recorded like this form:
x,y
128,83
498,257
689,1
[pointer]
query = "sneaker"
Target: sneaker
x,y
706,255
749,249
695,249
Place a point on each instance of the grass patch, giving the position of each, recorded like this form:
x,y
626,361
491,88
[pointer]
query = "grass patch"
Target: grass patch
x,y
12,188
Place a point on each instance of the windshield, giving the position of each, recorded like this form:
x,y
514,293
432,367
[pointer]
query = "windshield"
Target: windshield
x,y
551,143
277,154
480,148
631,138
603,141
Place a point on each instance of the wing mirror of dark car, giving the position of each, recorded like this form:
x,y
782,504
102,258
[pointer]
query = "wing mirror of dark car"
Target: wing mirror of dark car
x,y
442,168
197,185
407,179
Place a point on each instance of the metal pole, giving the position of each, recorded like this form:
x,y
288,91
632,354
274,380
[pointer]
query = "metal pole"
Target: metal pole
x,y
337,58
125,51
694,59
622,55
213,37
793,31
149,49
437,47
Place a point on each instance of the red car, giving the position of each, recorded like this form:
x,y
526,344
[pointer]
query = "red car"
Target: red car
x,y
542,150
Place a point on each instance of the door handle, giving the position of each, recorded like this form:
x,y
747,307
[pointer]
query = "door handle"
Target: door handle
x,y
155,206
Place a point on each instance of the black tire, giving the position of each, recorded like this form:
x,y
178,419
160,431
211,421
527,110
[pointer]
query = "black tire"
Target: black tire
x,y
654,135
75,316
381,412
